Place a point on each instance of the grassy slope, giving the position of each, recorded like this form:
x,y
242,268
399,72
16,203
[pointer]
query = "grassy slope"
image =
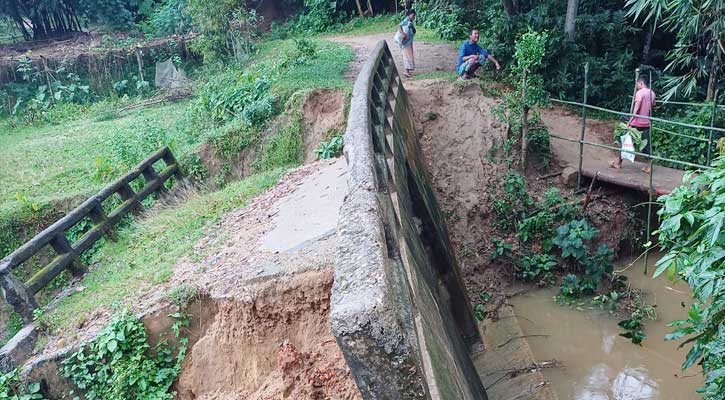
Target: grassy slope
x,y
147,250
50,162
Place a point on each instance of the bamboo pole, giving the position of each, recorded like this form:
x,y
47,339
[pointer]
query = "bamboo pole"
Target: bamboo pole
x,y
524,123
584,127
651,172
712,124
634,94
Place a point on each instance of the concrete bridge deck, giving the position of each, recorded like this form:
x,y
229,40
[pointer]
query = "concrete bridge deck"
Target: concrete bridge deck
x,y
567,124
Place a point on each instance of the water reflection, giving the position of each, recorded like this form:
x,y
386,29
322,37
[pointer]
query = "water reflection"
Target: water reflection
x,y
628,384
598,364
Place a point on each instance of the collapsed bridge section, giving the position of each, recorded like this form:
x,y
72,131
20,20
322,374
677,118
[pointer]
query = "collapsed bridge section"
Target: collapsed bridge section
x,y
400,312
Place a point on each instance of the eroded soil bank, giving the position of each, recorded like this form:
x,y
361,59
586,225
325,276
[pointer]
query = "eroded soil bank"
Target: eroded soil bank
x,y
274,344
462,143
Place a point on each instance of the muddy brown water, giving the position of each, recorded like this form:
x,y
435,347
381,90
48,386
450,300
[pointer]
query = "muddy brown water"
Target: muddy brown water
x,y
598,364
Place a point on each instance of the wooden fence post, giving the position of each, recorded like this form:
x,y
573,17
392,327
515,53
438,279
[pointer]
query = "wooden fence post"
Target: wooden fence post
x,y
61,245
149,173
17,296
126,192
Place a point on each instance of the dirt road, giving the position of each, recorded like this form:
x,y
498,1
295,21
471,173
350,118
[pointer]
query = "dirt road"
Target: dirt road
x,y
429,57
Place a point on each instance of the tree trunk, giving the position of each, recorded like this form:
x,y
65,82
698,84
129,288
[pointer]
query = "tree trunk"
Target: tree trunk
x,y
510,8
359,8
647,46
524,140
139,60
712,82
524,123
572,8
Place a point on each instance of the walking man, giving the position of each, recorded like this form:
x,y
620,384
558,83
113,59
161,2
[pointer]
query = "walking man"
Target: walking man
x,y
471,56
644,100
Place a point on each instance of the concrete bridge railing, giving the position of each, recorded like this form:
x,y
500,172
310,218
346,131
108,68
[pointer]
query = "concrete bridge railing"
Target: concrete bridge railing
x,y
400,312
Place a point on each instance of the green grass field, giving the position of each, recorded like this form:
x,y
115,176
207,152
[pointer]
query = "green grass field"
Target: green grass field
x,y
51,163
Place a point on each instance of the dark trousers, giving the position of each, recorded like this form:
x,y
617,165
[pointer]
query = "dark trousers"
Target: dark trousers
x,y
645,136
473,69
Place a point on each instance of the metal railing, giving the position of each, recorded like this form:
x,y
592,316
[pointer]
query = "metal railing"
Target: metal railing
x,y
652,159
21,295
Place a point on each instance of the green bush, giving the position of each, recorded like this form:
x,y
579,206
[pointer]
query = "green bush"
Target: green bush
x,y
12,388
445,19
330,149
234,94
36,92
171,18
691,233
226,29
572,237
668,145
318,16
119,364
537,268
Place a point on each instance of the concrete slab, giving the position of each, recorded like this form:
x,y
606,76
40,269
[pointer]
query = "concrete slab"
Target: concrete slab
x,y
507,367
310,212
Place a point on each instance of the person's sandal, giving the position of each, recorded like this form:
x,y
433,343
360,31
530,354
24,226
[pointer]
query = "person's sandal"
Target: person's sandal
x,y
615,165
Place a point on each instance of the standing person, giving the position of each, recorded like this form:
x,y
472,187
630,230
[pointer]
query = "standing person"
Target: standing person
x,y
471,56
644,100
404,38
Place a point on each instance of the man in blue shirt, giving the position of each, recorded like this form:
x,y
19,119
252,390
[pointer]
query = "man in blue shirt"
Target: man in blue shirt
x,y
471,56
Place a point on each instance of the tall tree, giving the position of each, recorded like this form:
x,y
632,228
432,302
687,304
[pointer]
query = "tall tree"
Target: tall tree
x,y
510,8
572,8
699,26
41,19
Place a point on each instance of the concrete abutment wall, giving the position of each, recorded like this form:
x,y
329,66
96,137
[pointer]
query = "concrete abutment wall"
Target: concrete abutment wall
x,y
400,312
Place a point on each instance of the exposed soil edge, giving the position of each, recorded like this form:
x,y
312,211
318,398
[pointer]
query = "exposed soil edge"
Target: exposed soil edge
x,y
303,366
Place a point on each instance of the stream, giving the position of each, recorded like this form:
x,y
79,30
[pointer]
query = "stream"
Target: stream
x,y
597,363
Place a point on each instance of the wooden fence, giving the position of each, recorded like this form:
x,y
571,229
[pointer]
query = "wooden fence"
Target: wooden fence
x,y
21,295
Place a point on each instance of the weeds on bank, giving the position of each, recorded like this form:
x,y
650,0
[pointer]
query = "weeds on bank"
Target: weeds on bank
x,y
12,388
330,149
120,363
548,238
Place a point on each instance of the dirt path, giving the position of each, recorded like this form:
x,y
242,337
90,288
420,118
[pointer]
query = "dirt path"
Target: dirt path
x,y
429,57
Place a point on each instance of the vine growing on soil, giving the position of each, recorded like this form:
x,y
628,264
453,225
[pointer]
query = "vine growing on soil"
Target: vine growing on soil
x,y
12,388
120,364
